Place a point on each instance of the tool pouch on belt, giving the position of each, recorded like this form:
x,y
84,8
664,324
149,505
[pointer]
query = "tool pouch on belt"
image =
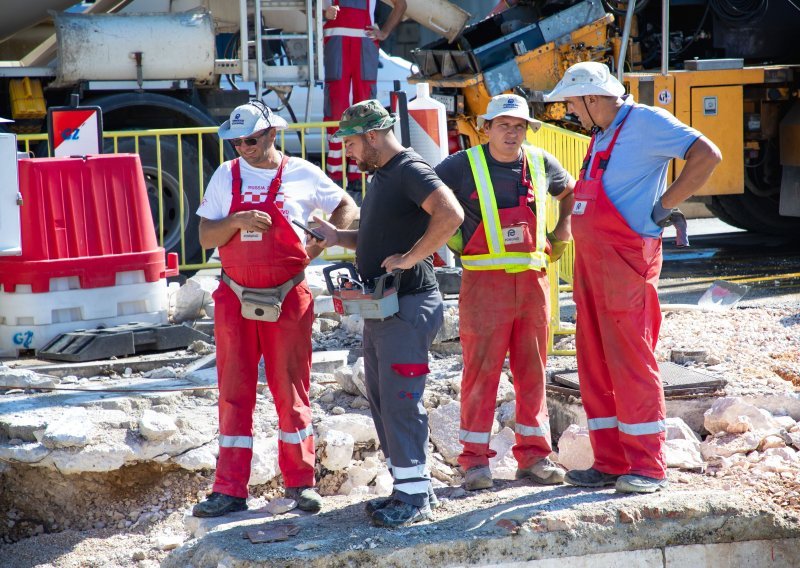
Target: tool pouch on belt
x,y
263,304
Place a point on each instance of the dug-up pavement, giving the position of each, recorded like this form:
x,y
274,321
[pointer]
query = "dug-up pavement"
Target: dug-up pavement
x,y
104,471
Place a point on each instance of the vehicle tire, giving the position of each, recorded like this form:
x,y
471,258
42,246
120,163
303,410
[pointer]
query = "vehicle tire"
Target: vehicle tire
x,y
715,206
190,251
758,214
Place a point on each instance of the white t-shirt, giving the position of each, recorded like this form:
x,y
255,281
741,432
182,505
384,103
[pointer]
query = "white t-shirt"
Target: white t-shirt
x,y
304,188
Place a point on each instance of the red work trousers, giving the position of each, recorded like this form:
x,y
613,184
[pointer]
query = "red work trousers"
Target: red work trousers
x,y
503,313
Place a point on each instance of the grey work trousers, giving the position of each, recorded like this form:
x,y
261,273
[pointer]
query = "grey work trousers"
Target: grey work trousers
x,y
396,367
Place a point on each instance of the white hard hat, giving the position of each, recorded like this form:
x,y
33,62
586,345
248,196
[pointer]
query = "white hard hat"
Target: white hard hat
x,y
509,105
586,78
248,119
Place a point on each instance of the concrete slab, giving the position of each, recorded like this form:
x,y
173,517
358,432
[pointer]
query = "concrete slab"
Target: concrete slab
x,y
328,361
532,526
774,553
139,363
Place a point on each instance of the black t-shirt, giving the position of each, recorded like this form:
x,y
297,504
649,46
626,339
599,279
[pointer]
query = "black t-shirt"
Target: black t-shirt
x,y
392,220
456,174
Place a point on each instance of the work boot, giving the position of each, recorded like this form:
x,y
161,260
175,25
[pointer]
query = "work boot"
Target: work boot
x,y
478,477
374,504
218,504
632,483
307,498
590,478
543,472
400,514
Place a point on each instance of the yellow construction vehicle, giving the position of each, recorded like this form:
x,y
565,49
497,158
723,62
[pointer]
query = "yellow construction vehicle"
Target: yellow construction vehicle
x,y
726,68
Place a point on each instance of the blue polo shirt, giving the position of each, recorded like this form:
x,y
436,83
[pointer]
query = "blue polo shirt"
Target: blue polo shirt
x,y
636,176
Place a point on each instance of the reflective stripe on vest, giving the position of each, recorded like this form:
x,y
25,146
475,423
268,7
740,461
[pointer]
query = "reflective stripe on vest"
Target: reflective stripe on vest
x,y
497,258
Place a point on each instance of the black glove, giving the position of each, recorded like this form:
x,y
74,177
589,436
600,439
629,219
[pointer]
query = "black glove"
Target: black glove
x,y
671,217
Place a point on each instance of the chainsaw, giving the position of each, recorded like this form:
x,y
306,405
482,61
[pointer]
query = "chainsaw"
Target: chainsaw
x,y
353,296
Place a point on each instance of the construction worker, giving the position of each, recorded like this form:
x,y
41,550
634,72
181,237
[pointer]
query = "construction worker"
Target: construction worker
x,y
351,66
263,304
408,213
622,202
504,303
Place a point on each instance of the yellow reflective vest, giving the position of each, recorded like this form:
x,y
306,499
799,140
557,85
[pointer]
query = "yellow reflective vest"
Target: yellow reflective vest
x,y
498,258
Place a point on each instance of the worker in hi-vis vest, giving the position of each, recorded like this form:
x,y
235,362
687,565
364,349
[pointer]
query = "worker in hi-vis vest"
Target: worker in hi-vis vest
x,y
504,303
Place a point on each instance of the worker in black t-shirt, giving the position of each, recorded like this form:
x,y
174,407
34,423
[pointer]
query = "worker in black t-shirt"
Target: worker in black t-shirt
x,y
407,214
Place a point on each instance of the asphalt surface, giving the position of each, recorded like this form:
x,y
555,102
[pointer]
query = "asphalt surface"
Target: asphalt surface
x,y
768,265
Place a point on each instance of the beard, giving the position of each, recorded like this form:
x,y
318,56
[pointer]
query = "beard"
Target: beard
x,y
369,161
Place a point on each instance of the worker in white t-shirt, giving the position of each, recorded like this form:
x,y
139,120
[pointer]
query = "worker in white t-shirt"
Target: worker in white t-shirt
x,y
263,305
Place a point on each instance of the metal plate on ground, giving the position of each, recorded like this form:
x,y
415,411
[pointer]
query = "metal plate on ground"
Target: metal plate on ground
x,y
119,341
677,380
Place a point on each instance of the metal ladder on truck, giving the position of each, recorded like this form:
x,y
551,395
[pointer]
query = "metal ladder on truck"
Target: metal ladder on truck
x,y
305,71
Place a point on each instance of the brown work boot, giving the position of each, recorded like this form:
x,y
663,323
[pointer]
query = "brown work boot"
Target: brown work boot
x,y
478,477
543,472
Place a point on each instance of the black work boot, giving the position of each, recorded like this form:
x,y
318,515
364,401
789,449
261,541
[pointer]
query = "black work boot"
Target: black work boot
x,y
374,504
218,504
590,478
400,514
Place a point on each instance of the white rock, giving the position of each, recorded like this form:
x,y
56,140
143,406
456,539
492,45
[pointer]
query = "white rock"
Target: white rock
x,y
198,459
344,377
449,330
726,410
95,458
786,454
677,429
359,426
683,454
32,452
727,445
338,449
786,422
156,426
445,423
73,429
575,448
740,425
161,373
504,464
362,474
771,442
505,390
281,505
264,467
328,361
323,305
327,325
359,377
168,542
24,378
353,324
384,483
192,297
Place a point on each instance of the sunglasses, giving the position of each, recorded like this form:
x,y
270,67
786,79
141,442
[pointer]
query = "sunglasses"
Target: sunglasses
x,y
248,141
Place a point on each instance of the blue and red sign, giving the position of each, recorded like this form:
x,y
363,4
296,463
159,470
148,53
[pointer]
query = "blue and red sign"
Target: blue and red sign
x,y
75,131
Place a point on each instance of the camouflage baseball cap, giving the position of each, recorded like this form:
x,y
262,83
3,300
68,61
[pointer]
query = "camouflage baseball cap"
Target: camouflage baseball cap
x,y
363,117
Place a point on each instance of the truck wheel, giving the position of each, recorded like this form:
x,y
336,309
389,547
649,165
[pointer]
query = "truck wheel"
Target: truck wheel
x,y
176,221
758,214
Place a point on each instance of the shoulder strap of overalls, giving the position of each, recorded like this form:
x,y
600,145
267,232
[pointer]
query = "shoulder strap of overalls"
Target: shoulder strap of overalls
x,y
236,174
275,186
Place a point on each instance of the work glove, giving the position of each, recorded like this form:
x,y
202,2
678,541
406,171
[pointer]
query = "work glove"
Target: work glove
x,y
671,217
557,247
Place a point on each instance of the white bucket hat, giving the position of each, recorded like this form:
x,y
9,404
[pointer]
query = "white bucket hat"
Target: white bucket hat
x,y
509,105
586,78
248,119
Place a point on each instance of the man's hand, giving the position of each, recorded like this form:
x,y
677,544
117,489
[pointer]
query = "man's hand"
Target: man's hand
x,y
557,246
256,221
664,217
397,262
375,32
313,248
328,231
331,12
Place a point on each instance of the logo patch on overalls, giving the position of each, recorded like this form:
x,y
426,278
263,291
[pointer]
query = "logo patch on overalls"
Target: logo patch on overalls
x,y
250,236
579,208
513,235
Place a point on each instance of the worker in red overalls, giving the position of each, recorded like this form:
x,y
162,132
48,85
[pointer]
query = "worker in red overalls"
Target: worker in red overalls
x,y
351,67
263,306
622,203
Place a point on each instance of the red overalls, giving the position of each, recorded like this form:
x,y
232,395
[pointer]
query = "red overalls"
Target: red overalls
x,y
618,319
285,344
499,313
351,61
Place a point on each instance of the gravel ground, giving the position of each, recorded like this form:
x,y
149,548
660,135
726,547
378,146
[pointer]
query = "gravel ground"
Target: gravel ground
x,y
756,348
